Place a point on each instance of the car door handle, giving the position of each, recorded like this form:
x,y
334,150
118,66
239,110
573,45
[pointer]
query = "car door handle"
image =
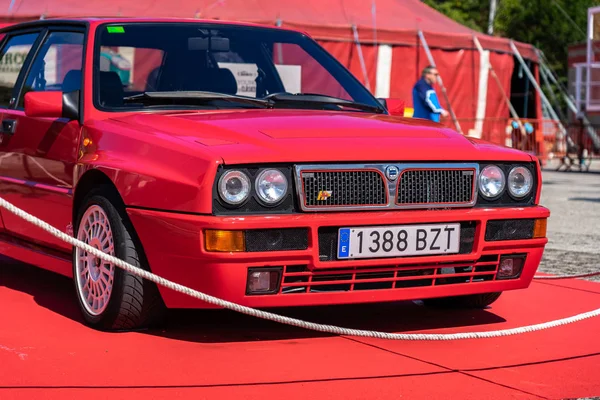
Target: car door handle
x,y
9,126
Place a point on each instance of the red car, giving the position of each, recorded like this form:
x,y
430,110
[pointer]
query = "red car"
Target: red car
x,y
245,162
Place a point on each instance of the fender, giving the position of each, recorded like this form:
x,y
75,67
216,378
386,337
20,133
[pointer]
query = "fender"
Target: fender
x,y
149,171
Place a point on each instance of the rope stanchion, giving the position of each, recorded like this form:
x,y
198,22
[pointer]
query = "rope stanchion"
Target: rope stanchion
x,y
280,318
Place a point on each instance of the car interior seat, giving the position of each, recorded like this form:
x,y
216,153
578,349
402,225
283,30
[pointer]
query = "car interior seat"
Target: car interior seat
x,y
72,81
152,80
111,89
220,80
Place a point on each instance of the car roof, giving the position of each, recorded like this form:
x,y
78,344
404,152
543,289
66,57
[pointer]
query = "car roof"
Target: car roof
x,y
97,21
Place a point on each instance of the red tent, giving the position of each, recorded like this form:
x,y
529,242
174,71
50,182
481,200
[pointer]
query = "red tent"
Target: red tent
x,y
358,33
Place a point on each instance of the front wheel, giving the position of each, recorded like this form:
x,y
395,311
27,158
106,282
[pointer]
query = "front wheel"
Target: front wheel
x,y
469,301
109,297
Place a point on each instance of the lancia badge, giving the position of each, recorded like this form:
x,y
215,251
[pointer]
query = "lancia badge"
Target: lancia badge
x,y
392,172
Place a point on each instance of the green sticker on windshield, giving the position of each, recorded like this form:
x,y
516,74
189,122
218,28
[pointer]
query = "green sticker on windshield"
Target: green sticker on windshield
x,y
115,29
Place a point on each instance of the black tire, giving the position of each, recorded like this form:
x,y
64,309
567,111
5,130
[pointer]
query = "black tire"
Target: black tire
x,y
470,301
134,302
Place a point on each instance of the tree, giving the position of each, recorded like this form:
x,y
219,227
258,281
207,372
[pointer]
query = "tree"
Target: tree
x,y
471,13
549,25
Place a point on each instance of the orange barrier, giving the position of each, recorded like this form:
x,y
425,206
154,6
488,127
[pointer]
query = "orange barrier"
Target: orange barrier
x,y
541,138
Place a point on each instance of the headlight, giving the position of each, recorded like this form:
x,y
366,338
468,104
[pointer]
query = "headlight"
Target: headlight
x,y
520,182
234,187
491,181
271,186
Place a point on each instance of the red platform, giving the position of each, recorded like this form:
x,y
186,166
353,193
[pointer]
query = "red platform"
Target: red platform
x,y
46,351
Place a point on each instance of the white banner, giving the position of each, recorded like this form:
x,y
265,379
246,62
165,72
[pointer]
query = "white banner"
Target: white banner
x,y
11,64
245,76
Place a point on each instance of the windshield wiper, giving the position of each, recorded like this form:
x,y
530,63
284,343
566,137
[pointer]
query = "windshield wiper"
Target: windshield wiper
x,y
320,99
192,98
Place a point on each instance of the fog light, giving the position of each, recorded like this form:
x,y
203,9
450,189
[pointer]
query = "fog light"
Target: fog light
x,y
224,241
263,280
507,267
539,228
510,266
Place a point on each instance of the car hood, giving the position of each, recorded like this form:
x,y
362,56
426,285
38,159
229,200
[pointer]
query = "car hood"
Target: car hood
x,y
260,136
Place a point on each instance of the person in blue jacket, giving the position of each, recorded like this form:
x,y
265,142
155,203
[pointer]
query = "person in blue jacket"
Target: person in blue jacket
x,y
425,101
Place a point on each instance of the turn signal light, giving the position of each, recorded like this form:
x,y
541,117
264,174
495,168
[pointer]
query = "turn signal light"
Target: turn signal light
x,y
224,241
539,228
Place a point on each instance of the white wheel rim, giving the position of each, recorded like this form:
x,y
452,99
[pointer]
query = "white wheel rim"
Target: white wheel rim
x,y
94,277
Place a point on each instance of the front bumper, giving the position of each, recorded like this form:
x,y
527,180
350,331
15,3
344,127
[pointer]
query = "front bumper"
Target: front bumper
x,y
173,245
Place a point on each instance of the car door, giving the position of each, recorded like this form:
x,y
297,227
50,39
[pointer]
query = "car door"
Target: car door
x,y
39,154
15,49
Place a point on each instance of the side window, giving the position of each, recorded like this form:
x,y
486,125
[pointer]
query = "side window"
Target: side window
x,y
12,58
57,66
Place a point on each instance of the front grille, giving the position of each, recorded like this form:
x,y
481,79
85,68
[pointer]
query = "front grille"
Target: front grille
x,y
299,279
343,188
436,186
328,240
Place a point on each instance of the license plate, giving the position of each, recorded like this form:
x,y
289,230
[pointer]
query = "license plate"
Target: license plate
x,y
398,241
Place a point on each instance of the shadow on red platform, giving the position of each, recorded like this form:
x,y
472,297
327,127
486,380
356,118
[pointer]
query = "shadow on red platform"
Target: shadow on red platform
x,y
47,352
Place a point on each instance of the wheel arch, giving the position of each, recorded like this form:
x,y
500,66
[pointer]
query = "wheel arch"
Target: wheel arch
x,y
138,302
93,179
97,179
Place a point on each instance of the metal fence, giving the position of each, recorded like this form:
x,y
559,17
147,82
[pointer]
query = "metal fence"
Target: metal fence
x,y
573,146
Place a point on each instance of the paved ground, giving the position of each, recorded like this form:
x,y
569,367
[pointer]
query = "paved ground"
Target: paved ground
x,y
574,226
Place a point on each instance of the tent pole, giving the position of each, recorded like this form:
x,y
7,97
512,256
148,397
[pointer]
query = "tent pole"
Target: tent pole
x,y
513,112
570,102
550,72
569,99
360,57
546,79
374,17
439,78
566,96
278,23
493,4
537,87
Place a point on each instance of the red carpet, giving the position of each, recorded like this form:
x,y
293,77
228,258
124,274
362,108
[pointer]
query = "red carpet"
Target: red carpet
x,y
46,351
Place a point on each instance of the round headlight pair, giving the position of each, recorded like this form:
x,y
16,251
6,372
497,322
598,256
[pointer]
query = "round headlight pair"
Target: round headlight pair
x,y
271,186
492,182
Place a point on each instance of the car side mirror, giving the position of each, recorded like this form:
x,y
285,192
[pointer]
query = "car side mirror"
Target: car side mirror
x,y
394,106
52,104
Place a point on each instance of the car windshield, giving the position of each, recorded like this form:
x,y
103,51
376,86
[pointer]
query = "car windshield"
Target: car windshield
x,y
207,66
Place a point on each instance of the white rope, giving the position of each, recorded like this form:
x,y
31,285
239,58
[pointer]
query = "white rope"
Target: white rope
x,y
280,318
